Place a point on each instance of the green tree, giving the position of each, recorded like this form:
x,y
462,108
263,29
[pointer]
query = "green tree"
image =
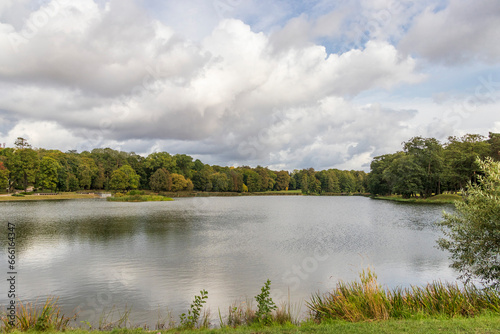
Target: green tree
x,y
25,164
201,179
282,180
73,183
460,156
87,171
4,177
158,160
253,180
184,164
407,176
428,154
220,182
472,233
161,180
379,181
119,180
124,178
494,141
48,173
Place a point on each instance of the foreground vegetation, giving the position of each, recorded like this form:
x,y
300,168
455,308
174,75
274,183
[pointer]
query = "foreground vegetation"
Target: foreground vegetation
x,y
481,324
356,307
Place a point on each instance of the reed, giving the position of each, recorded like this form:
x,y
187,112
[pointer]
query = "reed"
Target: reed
x,y
40,317
367,300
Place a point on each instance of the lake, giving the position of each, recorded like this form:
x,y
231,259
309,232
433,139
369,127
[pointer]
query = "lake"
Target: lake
x,y
95,254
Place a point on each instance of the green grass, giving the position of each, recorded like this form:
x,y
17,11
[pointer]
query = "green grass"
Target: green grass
x,y
481,324
438,199
67,195
139,198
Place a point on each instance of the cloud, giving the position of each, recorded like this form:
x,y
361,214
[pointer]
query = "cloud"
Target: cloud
x,y
463,31
111,75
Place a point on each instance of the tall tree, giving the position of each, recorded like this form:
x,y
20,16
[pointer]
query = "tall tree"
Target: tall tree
x,y
461,154
161,180
25,163
124,178
48,173
4,177
428,154
282,180
87,171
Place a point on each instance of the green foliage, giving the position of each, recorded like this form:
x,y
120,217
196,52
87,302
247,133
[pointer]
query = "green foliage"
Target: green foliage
x,y
282,180
265,305
124,178
4,177
161,180
48,173
73,184
472,233
190,320
426,167
104,168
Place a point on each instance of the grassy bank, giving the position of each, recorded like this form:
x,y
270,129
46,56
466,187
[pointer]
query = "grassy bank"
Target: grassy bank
x,y
354,307
480,324
438,199
139,198
34,197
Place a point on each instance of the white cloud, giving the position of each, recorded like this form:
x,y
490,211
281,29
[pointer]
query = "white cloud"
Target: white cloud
x,y
111,75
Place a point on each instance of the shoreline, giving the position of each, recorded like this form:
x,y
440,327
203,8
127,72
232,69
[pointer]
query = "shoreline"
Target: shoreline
x,y
438,199
61,196
181,194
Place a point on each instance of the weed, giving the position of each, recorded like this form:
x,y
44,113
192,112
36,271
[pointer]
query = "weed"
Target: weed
x,y
265,305
190,319
39,317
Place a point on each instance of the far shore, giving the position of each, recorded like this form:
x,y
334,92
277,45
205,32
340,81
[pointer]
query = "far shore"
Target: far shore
x,y
89,194
35,197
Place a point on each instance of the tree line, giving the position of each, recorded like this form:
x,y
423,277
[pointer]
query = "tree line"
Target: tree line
x,y
425,166
106,169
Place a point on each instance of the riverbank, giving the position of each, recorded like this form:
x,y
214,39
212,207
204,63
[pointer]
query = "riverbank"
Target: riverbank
x,y
438,199
351,307
59,196
480,324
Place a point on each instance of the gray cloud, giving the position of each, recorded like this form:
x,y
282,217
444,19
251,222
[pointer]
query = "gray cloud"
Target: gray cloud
x,y
109,75
463,31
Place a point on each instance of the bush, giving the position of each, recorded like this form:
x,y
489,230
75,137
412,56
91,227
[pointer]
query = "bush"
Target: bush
x,y
472,234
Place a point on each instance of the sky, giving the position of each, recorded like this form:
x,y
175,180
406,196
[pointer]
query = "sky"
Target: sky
x,y
283,84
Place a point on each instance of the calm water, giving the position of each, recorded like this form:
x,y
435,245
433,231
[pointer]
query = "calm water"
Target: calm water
x,y
95,254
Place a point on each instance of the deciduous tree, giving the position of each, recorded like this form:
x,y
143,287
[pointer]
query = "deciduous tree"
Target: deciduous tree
x,y
472,233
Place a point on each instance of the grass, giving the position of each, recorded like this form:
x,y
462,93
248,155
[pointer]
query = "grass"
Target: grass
x,y
67,195
486,323
368,301
38,317
355,307
139,198
437,199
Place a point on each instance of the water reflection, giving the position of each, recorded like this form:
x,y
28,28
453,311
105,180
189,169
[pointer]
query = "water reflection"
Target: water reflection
x,y
94,254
